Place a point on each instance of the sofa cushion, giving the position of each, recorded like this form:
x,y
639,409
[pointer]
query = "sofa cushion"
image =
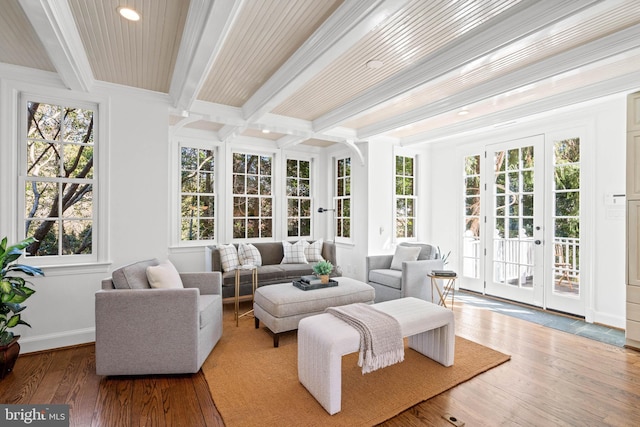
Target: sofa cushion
x,y
229,257
404,253
207,308
294,254
313,252
164,276
390,278
294,271
249,255
133,276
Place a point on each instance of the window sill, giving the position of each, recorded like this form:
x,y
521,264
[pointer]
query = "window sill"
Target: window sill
x,y
70,269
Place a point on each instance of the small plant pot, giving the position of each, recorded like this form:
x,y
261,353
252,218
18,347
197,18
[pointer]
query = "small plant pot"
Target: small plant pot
x,y
8,356
324,279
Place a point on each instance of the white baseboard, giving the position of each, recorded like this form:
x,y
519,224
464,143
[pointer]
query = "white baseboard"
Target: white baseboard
x,y
609,320
52,341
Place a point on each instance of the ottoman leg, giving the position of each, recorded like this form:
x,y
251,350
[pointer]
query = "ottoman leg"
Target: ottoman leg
x,y
276,340
257,322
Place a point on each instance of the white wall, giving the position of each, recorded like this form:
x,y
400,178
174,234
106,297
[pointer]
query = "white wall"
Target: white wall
x,y
61,312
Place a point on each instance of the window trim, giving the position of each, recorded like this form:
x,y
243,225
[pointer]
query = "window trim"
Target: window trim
x,y
100,106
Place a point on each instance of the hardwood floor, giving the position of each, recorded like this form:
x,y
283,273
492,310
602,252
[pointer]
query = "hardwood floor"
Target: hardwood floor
x,y
552,379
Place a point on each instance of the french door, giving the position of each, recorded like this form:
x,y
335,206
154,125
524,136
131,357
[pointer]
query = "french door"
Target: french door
x,y
531,210
514,266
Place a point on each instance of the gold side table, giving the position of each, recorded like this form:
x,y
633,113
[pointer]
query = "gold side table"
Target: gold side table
x,y
448,288
254,283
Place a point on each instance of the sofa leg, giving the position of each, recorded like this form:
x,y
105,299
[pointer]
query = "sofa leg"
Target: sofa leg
x,y
257,322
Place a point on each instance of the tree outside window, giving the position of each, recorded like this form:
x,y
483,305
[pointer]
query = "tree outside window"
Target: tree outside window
x,y
405,197
298,184
59,179
197,194
343,197
252,196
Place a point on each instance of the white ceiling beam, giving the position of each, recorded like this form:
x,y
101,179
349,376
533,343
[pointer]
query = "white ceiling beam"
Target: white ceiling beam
x,y
207,26
583,55
343,29
53,21
517,22
627,82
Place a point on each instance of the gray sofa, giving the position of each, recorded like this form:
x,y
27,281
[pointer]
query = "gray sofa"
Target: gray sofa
x,y
143,331
408,281
271,271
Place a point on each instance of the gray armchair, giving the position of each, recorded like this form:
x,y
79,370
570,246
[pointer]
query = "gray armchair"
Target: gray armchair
x,y
410,280
141,331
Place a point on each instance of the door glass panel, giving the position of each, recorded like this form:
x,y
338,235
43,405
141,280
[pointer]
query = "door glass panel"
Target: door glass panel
x,y
513,256
566,211
471,242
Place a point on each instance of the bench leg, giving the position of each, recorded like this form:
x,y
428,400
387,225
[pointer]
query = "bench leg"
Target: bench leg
x,y
320,368
437,344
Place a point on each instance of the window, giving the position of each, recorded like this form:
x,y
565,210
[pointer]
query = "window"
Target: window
x,y
252,196
405,197
471,240
59,178
298,198
343,197
197,194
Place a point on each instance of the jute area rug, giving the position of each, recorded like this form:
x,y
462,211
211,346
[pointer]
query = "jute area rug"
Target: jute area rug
x,y
254,384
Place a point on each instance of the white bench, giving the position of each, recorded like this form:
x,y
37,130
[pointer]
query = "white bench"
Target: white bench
x,y
323,339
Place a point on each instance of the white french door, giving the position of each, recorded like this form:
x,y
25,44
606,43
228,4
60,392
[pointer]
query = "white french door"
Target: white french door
x,y
530,237
514,267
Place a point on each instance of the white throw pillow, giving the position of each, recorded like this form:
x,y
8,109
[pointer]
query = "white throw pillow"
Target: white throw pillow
x,y
404,253
294,254
313,252
249,255
229,257
164,276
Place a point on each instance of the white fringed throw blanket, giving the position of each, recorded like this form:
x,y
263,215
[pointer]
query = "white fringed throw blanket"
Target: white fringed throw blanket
x,y
381,341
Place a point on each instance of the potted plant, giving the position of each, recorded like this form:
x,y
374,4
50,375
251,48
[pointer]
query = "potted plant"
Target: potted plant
x,y
14,290
322,269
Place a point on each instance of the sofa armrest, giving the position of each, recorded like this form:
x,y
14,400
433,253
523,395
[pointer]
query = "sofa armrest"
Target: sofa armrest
x,y
209,282
135,327
415,282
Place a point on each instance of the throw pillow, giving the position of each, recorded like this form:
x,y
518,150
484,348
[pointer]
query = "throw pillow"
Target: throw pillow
x,y
313,252
249,255
164,276
404,253
294,254
229,257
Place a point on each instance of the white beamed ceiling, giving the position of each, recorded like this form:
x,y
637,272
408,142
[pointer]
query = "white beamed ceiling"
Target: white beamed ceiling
x,y
297,68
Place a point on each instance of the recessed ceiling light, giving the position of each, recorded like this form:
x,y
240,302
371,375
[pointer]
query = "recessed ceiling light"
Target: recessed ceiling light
x,y
266,131
374,64
463,112
128,13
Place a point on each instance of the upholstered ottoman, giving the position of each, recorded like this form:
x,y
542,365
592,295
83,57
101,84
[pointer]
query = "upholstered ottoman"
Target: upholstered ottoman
x,y
280,307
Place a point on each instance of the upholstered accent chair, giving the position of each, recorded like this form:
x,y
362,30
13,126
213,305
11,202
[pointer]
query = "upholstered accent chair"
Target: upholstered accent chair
x,y
404,274
144,328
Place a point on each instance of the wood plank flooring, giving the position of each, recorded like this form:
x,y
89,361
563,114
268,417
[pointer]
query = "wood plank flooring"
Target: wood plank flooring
x,y
553,379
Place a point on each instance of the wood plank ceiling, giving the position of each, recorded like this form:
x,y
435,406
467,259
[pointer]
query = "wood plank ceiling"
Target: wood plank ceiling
x,y
298,68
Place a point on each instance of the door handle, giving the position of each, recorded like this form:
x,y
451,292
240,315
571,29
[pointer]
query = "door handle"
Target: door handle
x,y
537,242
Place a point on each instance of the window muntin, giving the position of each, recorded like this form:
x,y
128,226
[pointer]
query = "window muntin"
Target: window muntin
x,y
298,187
343,197
59,179
252,196
197,194
405,197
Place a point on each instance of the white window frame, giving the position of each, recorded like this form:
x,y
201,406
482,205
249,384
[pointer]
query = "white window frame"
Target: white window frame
x,y
100,244
310,197
231,194
414,197
338,199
